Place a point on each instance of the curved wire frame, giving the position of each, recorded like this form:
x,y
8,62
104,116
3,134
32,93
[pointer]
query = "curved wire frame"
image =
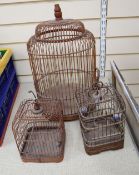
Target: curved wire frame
x,y
40,136
102,117
62,56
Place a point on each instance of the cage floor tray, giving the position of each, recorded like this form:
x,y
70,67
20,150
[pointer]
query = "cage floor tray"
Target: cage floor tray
x,y
65,93
43,145
102,135
101,132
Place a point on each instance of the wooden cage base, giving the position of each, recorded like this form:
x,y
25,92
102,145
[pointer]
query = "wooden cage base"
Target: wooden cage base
x,y
70,117
41,150
43,160
106,147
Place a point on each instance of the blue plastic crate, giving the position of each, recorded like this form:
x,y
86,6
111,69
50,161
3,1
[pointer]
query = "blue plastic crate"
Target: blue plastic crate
x,y
7,103
6,77
14,85
1,116
9,68
8,87
4,111
3,81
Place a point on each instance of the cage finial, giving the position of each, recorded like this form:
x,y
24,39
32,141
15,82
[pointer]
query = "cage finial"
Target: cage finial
x,y
37,107
58,12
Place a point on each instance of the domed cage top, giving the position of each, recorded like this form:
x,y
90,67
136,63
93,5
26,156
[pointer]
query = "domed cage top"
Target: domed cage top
x,y
63,59
39,132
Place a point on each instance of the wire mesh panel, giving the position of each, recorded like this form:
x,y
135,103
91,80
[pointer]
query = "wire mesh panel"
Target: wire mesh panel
x,y
102,118
63,59
39,132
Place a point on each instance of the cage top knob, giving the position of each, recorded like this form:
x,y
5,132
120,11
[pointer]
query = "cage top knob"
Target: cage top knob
x,y
58,12
37,108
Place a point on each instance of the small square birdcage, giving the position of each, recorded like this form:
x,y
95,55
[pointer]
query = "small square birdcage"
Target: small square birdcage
x,y
102,118
63,59
39,132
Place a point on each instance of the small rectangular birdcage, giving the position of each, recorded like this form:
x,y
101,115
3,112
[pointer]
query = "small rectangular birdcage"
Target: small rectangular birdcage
x,y
102,118
62,56
39,132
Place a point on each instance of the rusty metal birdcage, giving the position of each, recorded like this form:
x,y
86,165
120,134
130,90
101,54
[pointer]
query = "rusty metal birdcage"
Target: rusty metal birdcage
x,y
102,118
39,132
63,59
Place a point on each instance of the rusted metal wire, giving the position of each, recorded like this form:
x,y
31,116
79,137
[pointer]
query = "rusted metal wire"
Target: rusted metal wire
x,y
102,118
63,59
39,131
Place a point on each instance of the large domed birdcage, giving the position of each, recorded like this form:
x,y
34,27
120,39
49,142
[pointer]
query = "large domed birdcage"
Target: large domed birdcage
x,y
63,59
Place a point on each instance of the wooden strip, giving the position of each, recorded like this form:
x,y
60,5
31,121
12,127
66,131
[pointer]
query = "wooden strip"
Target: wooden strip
x,y
43,11
124,64
116,28
114,46
131,77
123,8
3,2
25,79
29,78
122,45
123,27
22,67
20,49
24,32
134,90
11,2
137,100
123,61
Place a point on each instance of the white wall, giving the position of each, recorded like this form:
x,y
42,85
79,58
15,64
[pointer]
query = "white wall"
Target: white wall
x,y
19,17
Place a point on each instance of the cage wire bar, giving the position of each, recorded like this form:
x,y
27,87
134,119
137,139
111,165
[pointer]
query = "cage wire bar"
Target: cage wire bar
x,y
102,118
39,131
62,56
